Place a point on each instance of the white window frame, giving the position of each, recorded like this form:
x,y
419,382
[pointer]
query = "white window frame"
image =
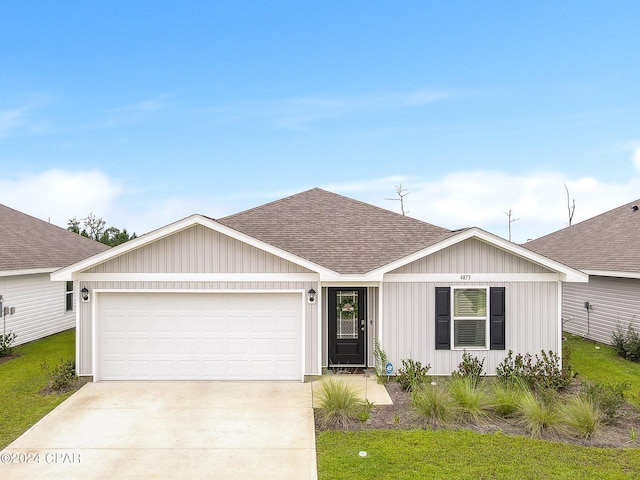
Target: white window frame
x,y
486,318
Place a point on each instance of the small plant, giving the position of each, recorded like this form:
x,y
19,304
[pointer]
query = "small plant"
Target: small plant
x,y
434,402
608,397
62,376
582,415
626,343
516,369
470,367
338,404
549,374
412,374
381,359
505,398
632,435
538,414
472,400
6,344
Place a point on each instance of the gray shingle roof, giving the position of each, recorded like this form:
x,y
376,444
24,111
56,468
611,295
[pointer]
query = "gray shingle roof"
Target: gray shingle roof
x,y
339,233
28,243
608,242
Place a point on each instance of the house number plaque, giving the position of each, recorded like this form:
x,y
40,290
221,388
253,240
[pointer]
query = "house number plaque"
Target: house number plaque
x,y
465,277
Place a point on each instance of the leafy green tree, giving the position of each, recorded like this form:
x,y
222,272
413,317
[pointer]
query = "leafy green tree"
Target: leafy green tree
x,y
94,228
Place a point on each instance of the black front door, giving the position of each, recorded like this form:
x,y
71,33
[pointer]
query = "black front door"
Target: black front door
x,y
347,315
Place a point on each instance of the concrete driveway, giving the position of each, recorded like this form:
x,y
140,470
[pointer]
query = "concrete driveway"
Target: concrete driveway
x,y
214,430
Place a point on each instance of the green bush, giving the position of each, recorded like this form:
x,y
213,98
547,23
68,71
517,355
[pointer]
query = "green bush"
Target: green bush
x,y
434,402
539,413
545,372
412,374
6,344
62,376
582,415
626,343
505,398
472,400
470,367
338,404
608,397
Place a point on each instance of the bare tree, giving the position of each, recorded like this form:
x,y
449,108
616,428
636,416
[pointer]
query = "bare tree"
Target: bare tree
x,y
571,207
511,220
402,192
95,226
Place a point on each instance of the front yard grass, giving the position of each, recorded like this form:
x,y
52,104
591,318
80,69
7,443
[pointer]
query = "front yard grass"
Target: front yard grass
x,y
420,453
21,380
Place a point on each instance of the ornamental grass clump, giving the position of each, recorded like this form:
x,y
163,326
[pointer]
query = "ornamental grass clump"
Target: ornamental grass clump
x,y
506,397
338,404
434,402
472,401
582,416
539,413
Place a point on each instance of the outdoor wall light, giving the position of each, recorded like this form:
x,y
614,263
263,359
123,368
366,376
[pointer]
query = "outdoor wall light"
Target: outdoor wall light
x,y
311,296
85,294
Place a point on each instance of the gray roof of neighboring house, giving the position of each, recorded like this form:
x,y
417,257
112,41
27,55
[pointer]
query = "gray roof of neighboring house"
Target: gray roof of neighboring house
x,y
339,233
608,242
28,243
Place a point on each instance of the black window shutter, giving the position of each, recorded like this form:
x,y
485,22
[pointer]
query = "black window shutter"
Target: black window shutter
x,y
497,318
443,318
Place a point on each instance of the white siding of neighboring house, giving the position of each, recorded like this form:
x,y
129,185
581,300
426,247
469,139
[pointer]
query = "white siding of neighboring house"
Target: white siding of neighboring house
x,y
408,312
39,305
615,301
197,250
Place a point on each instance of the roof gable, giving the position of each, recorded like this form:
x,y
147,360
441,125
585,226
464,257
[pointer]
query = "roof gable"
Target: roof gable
x,y
27,243
344,235
606,242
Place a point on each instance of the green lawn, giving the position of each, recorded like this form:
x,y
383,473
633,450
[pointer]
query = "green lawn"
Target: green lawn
x,y
600,362
419,454
407,454
21,380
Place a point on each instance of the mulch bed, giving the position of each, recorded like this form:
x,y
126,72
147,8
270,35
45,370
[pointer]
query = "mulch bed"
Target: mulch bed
x,y
6,358
401,415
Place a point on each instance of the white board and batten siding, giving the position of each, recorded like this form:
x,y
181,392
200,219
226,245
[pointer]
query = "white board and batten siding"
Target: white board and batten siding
x,y
615,301
207,262
40,307
408,307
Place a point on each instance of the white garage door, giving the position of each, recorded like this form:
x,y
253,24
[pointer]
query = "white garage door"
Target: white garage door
x,y
193,336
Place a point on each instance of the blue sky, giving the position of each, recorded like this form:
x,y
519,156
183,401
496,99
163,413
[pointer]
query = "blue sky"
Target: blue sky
x,y
146,112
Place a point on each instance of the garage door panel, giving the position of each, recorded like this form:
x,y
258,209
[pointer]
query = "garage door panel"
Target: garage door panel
x,y
199,336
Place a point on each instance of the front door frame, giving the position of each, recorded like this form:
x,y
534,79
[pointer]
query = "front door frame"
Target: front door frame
x,y
349,356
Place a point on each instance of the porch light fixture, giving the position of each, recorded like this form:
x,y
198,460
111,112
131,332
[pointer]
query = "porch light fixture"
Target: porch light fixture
x,y
85,294
311,296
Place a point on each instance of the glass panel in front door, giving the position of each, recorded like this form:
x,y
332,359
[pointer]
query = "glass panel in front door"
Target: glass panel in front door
x,y
347,314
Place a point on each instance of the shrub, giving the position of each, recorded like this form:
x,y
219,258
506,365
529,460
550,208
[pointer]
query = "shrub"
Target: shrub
x,y
338,404
582,415
470,367
505,397
539,413
434,402
6,343
545,372
626,343
412,374
608,397
381,359
472,400
62,376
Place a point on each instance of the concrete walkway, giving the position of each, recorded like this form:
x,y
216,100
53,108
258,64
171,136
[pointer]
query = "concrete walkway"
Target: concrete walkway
x,y
221,430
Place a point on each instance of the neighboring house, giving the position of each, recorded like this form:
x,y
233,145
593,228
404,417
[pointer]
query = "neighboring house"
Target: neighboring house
x,y
282,290
30,249
606,247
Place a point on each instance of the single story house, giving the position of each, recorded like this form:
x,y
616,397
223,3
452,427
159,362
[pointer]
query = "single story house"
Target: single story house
x,y
283,290
31,305
606,248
